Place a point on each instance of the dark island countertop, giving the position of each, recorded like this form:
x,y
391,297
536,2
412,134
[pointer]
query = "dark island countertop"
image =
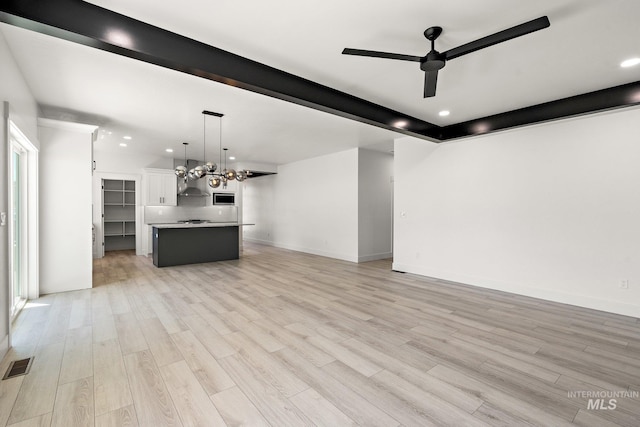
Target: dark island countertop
x,y
199,225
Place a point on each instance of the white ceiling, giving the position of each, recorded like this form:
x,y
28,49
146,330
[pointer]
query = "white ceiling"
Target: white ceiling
x,y
160,108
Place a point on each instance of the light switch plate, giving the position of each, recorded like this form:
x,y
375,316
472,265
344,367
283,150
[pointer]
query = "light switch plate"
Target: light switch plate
x,y
3,218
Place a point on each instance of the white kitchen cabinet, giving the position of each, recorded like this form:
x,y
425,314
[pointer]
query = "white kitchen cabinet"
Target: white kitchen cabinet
x,y
232,187
161,188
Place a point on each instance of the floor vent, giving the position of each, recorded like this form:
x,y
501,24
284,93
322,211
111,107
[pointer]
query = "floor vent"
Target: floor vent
x,y
18,367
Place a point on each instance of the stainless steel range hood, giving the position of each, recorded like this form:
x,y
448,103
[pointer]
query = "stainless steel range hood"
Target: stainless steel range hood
x,y
193,187
193,192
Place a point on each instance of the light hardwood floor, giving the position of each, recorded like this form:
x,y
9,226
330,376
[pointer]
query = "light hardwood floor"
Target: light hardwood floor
x,y
285,339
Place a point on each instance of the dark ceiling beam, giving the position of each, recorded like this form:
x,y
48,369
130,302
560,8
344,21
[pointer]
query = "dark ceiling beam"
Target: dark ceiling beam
x,y
90,25
606,99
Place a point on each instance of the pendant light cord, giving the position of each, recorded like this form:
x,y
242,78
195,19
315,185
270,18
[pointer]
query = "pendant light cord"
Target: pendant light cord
x,y
185,153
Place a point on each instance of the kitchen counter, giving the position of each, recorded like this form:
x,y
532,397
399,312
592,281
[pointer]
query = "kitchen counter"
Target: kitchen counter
x,y
199,225
183,243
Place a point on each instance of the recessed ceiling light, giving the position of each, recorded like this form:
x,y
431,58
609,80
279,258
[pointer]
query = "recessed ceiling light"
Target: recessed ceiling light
x,y
630,62
122,144
127,137
444,113
482,127
232,158
400,123
169,150
119,38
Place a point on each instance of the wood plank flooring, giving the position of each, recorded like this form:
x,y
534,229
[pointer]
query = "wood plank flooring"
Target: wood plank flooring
x,y
282,338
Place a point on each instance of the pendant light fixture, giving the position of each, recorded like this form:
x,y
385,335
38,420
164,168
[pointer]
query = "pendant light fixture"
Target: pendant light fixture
x,y
221,178
181,171
202,170
209,168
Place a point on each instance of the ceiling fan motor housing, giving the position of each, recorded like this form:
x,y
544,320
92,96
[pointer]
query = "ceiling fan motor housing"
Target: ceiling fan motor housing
x,y
434,61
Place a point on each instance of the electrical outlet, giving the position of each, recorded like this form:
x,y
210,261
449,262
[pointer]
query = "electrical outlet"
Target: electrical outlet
x,y
624,284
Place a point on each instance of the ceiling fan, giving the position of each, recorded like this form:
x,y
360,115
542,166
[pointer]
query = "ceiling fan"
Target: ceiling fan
x,y
434,60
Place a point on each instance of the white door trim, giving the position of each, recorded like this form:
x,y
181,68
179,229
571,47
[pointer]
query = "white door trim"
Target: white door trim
x,y
98,177
31,228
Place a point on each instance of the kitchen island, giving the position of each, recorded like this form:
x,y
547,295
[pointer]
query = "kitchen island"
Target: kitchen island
x,y
185,243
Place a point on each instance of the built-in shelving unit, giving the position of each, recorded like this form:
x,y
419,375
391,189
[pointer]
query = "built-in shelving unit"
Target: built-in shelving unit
x,y
119,214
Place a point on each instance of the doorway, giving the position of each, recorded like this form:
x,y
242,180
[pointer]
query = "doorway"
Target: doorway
x,y
117,217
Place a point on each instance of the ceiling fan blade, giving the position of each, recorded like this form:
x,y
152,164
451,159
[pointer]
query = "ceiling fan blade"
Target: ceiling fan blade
x,y
376,54
499,37
430,81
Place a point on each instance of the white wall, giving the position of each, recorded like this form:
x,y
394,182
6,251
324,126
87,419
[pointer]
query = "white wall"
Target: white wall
x,y
314,207
128,161
65,207
14,89
338,205
375,170
22,109
316,211
550,211
259,208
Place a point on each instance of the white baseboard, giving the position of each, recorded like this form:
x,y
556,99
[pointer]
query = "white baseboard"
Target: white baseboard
x,y
364,258
261,242
4,347
319,252
312,251
585,301
375,257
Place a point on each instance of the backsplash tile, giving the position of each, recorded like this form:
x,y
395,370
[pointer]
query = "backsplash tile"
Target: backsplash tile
x,y
171,214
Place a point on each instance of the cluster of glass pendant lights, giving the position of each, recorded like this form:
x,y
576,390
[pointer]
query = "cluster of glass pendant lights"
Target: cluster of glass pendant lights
x,y
210,169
